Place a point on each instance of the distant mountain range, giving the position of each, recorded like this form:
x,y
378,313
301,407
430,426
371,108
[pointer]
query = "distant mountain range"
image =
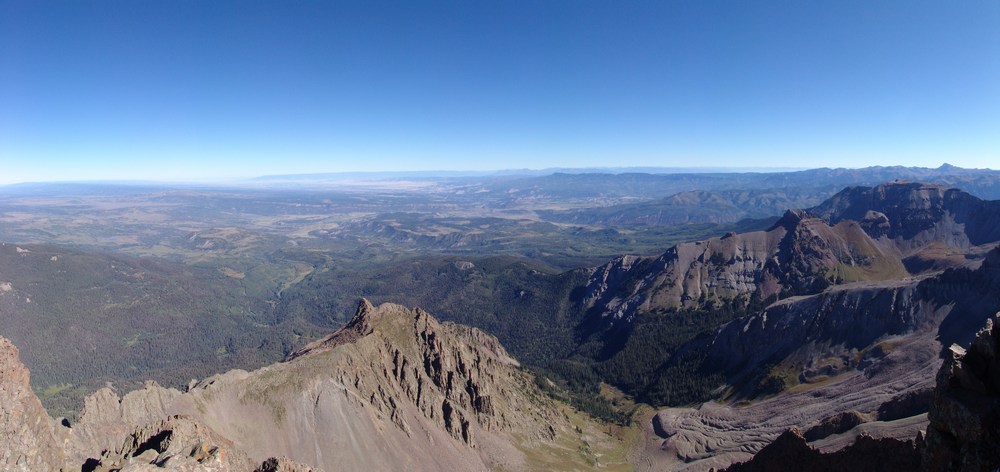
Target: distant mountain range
x,y
431,174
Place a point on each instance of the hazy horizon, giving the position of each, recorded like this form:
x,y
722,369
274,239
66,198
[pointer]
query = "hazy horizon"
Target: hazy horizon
x,y
440,173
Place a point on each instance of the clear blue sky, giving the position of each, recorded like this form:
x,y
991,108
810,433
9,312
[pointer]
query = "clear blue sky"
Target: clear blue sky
x,y
194,89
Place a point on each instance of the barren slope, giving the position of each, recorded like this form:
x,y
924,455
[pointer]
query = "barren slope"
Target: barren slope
x,y
393,390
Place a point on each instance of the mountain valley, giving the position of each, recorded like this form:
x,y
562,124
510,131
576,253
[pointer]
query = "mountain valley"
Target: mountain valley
x,y
576,333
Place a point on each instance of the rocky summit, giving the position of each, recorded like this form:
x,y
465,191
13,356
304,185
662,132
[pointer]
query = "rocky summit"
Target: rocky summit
x,y
393,390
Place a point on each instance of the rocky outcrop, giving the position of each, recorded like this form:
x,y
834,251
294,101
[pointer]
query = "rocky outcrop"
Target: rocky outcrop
x,y
904,406
453,375
281,464
964,431
836,424
915,214
866,454
29,439
873,348
392,389
176,443
106,418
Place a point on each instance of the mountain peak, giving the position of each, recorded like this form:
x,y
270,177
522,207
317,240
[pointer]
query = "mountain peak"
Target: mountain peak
x,y
791,218
366,319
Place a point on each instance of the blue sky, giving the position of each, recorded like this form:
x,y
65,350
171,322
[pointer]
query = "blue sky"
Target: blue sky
x,y
189,89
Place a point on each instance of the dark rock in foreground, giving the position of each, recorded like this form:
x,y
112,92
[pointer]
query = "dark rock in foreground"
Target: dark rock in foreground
x,y
964,431
963,435
790,452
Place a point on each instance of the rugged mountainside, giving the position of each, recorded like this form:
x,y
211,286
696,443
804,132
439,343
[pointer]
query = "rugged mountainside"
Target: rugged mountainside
x,y
834,331
394,389
868,348
832,317
799,254
861,234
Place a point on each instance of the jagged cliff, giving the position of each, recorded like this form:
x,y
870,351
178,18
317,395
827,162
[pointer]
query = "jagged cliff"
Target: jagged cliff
x,y
394,389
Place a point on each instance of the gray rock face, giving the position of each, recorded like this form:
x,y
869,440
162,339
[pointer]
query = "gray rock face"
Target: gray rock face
x,y
963,434
964,431
106,418
847,319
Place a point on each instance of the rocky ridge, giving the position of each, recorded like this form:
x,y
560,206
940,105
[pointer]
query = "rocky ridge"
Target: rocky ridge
x,y
860,234
853,326
799,254
393,389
